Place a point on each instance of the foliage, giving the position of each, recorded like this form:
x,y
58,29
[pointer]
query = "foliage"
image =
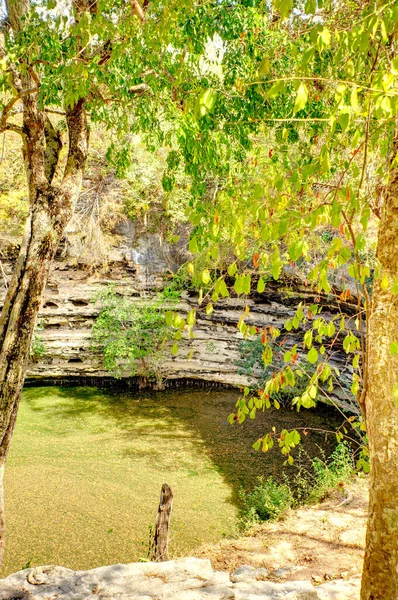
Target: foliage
x,y
267,500
14,206
13,212
175,285
144,196
270,500
38,347
316,97
314,83
256,364
325,475
107,200
131,336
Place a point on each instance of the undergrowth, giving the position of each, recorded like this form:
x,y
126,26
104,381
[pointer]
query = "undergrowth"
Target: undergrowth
x,y
269,499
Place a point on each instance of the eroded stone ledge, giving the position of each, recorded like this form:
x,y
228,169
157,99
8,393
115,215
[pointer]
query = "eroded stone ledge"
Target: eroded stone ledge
x,y
183,579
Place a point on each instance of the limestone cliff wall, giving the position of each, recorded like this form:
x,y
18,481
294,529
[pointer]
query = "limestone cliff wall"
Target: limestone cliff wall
x,y
68,313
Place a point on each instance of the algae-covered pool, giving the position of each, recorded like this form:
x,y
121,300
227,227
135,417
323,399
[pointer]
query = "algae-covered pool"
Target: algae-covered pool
x,y
86,467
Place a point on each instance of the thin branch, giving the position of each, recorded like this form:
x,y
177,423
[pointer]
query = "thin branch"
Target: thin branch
x,y
287,120
8,107
12,127
54,111
325,80
141,88
5,279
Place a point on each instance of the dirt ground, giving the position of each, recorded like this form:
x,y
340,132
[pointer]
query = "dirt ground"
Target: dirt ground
x,y
319,542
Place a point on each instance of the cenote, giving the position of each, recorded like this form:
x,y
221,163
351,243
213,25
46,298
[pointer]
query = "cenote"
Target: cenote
x,y
86,467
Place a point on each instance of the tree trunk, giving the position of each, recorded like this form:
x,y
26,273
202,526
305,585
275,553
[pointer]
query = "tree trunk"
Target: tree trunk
x,y
380,573
161,538
51,210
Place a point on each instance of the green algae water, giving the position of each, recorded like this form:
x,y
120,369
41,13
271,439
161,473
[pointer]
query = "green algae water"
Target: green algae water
x,y
86,466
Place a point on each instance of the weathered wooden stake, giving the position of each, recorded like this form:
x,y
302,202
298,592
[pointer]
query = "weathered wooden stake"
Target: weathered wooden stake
x,y
161,538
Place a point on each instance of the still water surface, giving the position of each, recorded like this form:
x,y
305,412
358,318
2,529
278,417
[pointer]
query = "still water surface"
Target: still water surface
x,y
86,467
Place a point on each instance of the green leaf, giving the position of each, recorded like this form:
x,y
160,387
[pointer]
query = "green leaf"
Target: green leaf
x,y
384,282
276,267
394,66
256,444
260,285
324,38
206,102
191,317
258,191
394,348
288,325
206,276
325,159
232,269
301,98
209,309
312,356
285,7
308,55
193,245
174,349
313,391
296,437
354,99
246,284
310,7
265,66
276,89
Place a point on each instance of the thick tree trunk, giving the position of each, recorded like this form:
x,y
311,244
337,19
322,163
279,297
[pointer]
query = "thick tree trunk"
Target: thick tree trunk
x,y
380,574
51,210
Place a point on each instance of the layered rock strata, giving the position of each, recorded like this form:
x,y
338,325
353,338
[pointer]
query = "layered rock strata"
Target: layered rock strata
x,y
68,313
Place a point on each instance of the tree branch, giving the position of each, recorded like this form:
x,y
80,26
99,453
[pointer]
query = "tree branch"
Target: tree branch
x,y
4,126
12,127
76,120
137,10
141,88
53,148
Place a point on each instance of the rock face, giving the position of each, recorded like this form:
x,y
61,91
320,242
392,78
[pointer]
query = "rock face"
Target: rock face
x,y
68,313
183,579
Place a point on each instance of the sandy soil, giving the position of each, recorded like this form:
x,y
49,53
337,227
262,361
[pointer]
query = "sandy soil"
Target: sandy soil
x,y
321,542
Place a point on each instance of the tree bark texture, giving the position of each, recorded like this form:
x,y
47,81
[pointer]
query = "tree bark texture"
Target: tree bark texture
x,y
161,538
51,208
380,573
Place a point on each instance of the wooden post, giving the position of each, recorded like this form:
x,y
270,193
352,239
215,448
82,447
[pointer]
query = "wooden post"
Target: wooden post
x,y
161,538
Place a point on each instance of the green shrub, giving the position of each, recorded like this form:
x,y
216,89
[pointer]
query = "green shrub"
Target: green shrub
x,y
131,335
329,474
37,347
312,484
266,501
269,499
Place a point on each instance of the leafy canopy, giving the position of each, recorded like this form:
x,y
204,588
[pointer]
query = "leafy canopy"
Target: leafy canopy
x,y
317,160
